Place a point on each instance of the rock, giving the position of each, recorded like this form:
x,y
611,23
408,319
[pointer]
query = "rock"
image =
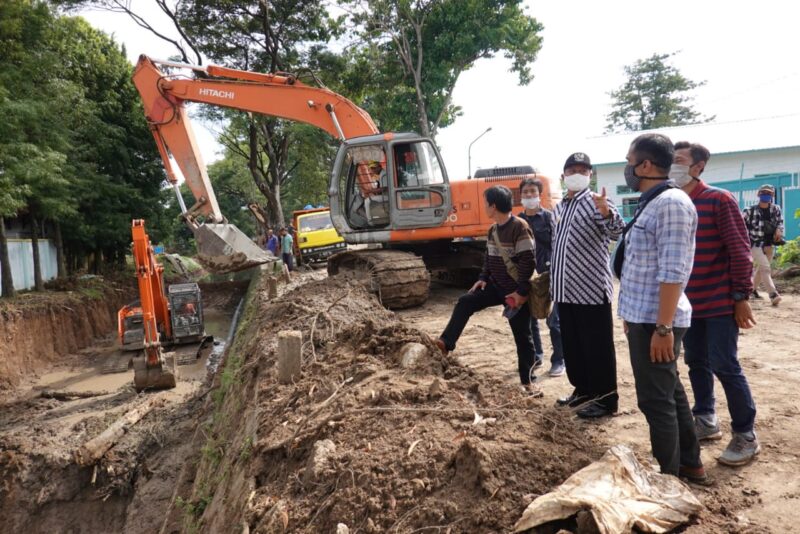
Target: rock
x,y
341,528
436,389
411,353
320,459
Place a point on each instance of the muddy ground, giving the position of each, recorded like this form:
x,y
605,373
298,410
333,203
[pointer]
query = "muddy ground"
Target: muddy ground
x,y
360,437
42,425
761,497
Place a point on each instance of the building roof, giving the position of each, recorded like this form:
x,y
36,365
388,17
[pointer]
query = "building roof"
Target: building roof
x,y
719,137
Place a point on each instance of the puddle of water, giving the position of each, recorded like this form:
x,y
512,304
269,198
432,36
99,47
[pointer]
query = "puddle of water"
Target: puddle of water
x,y
217,323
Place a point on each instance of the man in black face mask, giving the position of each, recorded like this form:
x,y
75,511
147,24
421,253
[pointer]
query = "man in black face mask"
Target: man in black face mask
x,y
658,257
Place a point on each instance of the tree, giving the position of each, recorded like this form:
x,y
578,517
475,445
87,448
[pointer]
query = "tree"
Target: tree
x,y
275,36
654,96
423,46
75,149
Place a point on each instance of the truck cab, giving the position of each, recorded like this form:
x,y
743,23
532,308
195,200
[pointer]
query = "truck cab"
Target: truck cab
x,y
316,237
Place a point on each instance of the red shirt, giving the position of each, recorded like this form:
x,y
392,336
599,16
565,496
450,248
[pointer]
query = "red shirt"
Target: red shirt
x,y
722,261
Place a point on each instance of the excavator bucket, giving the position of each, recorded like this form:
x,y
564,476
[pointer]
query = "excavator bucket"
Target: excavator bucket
x,y
223,248
161,376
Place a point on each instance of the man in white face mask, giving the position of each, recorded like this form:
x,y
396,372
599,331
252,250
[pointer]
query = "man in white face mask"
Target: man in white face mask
x,y
718,290
580,283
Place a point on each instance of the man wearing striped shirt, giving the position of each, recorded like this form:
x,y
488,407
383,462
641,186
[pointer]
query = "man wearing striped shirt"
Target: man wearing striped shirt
x,y
659,251
496,284
580,283
718,291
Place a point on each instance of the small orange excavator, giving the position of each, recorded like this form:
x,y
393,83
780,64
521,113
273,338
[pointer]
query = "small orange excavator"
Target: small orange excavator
x,y
160,318
386,189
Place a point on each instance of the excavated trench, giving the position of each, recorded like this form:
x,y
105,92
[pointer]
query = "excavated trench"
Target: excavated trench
x,y
57,399
378,432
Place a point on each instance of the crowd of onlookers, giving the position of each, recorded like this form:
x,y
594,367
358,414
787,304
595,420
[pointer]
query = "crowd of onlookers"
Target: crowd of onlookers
x,y
685,264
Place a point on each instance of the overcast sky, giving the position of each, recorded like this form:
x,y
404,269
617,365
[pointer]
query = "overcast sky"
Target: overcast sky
x,y
747,52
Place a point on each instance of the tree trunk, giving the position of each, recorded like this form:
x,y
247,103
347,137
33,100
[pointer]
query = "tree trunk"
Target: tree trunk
x,y
7,289
37,260
274,200
98,262
60,260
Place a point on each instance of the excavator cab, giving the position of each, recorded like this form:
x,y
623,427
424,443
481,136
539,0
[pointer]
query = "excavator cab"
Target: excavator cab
x,y
388,182
186,313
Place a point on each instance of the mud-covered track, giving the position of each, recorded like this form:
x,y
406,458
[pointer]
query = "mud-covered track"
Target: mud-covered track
x,y
400,279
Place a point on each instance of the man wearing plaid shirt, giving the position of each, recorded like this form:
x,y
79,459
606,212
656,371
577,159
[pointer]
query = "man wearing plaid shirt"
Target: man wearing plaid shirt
x,y
659,252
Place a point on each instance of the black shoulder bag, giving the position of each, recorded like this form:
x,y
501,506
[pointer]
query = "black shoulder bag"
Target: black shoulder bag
x,y
619,253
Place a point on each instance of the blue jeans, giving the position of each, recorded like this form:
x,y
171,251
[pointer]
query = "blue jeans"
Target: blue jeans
x,y
554,325
710,350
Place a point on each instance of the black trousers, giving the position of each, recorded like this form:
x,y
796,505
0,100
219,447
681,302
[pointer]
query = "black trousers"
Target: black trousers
x,y
663,401
587,337
470,303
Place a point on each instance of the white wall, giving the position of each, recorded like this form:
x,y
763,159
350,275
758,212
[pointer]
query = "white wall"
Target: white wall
x,y
20,254
721,167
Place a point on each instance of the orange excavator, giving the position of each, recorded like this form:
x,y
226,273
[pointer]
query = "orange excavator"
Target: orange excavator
x,y
162,317
387,189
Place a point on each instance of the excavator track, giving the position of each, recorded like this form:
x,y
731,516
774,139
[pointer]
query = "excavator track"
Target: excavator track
x,y
400,279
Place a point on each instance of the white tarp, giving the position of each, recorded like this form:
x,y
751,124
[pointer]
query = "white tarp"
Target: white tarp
x,y
620,493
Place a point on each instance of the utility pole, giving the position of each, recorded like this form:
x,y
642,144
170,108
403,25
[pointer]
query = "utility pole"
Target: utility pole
x,y
469,151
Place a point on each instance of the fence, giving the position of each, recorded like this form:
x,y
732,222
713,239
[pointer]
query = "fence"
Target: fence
x,y
745,190
20,254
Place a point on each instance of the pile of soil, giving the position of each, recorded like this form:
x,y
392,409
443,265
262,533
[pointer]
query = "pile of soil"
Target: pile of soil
x,y
368,435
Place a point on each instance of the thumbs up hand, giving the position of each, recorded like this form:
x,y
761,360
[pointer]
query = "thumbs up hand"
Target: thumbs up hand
x,y
601,202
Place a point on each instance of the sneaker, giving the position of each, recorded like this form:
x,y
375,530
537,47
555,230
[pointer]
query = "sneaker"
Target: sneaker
x,y
740,450
557,369
538,360
706,431
756,295
775,299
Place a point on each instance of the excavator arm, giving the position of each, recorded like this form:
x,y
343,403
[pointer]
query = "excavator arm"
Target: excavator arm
x,y
153,370
221,246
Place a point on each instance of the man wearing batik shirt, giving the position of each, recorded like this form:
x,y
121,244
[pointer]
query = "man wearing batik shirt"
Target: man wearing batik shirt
x,y
580,284
496,285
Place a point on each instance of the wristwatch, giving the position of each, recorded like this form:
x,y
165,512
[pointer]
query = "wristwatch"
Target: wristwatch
x,y
663,330
737,296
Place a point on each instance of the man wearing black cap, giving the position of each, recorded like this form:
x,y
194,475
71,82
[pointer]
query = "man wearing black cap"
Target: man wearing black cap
x,y
581,286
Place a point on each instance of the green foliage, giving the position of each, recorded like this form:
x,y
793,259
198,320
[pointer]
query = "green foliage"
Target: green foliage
x,y
419,49
247,449
789,254
654,96
74,145
193,510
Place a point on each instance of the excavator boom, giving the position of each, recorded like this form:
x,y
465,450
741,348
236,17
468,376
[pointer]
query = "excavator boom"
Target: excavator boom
x,y
221,246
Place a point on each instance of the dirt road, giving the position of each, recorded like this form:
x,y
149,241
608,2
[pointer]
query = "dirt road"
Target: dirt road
x,y
761,497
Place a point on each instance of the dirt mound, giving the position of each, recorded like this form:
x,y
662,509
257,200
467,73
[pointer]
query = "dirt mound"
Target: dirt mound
x,y
381,432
